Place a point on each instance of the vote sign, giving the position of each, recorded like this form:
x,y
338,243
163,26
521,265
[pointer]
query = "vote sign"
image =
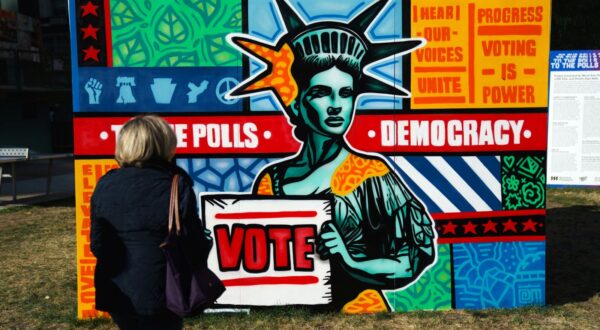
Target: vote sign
x,y
265,249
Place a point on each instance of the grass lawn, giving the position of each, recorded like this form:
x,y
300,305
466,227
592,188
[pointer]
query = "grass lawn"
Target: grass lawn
x,y
38,279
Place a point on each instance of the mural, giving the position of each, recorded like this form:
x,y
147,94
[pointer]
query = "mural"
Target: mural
x,y
360,156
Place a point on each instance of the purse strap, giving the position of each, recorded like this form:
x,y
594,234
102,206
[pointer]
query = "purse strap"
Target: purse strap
x,y
174,205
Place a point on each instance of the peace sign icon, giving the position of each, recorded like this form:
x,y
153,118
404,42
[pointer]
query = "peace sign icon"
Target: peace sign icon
x,y
223,87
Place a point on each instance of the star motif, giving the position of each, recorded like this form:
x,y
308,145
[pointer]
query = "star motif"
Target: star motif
x,y
282,58
470,228
449,228
529,225
509,225
89,8
489,226
90,31
91,53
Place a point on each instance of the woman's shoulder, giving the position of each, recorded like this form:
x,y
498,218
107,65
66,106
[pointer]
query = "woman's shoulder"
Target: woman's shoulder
x,y
183,174
357,169
108,177
370,164
263,183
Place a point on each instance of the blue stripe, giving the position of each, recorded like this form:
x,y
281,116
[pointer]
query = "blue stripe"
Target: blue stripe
x,y
74,58
473,180
431,206
440,182
492,164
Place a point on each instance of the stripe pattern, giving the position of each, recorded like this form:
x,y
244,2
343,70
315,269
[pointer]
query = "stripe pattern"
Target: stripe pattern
x,y
453,183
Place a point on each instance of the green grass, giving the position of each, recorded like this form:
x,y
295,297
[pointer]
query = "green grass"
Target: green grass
x,y
38,279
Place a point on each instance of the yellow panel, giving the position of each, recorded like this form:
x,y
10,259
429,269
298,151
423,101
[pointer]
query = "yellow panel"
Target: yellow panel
x,y
87,173
480,54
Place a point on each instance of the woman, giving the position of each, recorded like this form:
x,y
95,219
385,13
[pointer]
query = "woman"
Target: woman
x,y
129,214
382,236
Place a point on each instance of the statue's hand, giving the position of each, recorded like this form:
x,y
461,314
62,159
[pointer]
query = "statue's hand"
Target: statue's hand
x,y
322,250
209,239
334,244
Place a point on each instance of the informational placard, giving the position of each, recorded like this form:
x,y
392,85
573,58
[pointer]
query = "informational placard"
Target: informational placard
x,y
265,250
574,118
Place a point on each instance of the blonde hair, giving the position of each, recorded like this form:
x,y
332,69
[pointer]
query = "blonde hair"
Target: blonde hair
x,y
144,138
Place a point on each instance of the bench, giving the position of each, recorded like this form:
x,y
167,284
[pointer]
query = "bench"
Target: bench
x,y
13,156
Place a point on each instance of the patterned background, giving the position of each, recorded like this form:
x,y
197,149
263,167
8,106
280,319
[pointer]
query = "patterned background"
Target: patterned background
x,y
499,274
433,291
174,33
523,182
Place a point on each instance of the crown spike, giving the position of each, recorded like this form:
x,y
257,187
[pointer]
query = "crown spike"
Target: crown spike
x,y
367,16
383,50
292,21
372,85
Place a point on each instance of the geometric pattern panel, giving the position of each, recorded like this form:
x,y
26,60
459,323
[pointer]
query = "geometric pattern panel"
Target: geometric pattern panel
x,y
432,291
499,275
523,182
223,174
453,183
174,33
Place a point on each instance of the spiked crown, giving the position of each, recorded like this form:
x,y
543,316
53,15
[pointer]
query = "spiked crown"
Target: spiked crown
x,y
321,39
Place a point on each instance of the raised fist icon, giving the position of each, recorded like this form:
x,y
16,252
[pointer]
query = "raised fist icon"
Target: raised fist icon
x,y
93,88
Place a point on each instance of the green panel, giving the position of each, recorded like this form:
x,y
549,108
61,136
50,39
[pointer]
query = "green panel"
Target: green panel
x,y
174,32
433,291
523,182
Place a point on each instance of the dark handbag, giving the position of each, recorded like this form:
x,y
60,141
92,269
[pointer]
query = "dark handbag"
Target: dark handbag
x,y
189,289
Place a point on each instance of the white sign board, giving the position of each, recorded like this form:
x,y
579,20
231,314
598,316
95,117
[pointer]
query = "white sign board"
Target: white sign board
x,y
264,249
574,118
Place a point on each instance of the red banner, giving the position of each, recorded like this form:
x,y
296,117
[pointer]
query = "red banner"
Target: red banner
x,y
272,134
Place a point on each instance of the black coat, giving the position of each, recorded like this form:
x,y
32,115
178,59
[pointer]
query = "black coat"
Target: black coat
x,y
129,215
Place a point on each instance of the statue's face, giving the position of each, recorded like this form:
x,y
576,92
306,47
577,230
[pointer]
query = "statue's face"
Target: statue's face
x,y
327,104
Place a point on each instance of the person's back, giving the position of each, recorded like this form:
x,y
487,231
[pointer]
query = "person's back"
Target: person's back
x,y
129,213
133,204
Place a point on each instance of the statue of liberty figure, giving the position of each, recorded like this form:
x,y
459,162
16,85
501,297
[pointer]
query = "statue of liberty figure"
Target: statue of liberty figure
x,y
382,236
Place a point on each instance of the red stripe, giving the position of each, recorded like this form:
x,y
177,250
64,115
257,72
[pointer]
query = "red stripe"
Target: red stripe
x,y
271,280
512,30
471,51
487,214
440,69
266,215
438,99
486,239
108,33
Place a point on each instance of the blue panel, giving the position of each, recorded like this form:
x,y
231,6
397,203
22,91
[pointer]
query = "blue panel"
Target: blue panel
x,y
74,55
574,60
223,174
158,89
499,275
264,23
